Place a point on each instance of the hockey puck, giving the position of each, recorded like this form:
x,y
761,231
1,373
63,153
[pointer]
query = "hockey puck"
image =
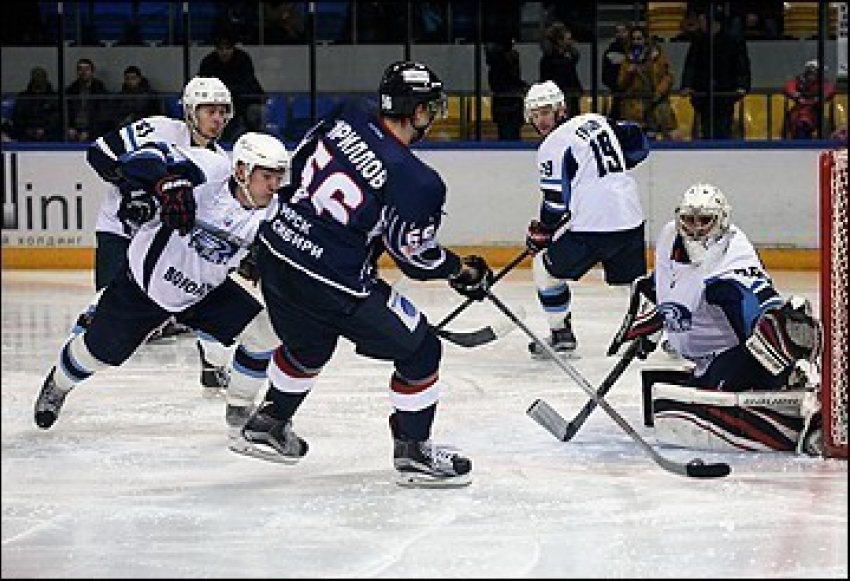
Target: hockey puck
x,y
696,462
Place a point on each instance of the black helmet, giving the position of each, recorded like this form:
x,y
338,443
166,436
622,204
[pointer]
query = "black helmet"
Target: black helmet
x,y
405,85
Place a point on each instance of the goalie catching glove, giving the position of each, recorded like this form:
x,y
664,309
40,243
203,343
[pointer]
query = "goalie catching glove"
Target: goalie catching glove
x,y
474,278
786,335
176,203
643,322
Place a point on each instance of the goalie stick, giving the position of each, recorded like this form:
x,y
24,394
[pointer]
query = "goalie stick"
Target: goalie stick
x,y
696,468
548,417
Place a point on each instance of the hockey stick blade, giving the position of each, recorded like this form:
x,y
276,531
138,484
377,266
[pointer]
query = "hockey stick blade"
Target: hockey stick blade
x,y
695,468
549,418
478,337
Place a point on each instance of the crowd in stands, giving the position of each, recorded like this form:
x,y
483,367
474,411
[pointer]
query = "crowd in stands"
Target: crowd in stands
x,y
635,72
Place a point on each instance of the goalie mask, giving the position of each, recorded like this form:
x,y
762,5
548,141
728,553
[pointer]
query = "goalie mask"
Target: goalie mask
x,y
205,91
702,219
406,85
258,150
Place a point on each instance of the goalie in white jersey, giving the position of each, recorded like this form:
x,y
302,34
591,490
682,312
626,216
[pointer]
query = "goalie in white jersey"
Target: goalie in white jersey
x,y
751,351
590,212
207,216
207,109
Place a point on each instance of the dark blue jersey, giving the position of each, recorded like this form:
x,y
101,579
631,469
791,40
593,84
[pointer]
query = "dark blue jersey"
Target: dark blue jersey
x,y
359,192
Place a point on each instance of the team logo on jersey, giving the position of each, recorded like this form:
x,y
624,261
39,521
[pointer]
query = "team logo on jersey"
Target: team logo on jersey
x,y
677,318
212,248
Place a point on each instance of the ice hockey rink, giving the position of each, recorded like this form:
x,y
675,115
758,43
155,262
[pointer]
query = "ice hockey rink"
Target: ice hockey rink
x,y
135,479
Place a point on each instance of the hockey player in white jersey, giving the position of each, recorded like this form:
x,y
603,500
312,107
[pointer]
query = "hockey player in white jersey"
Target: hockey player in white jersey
x,y
208,213
590,212
751,351
207,109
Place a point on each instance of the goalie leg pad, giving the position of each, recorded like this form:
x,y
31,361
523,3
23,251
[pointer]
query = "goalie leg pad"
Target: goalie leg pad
x,y
757,421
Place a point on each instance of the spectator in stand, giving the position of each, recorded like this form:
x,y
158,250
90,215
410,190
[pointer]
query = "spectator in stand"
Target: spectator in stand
x,y
645,82
508,88
578,15
238,19
35,116
804,117
283,23
234,67
87,104
559,64
137,99
757,19
720,62
612,58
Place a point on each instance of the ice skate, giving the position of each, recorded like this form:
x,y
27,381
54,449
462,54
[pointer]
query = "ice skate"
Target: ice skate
x,y
236,416
49,402
269,439
427,465
562,341
214,379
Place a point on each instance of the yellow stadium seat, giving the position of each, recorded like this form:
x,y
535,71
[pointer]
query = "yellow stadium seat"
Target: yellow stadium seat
x,y
778,106
664,19
801,19
755,116
839,111
684,116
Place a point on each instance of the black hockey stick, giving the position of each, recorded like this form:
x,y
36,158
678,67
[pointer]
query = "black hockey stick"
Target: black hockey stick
x,y
548,417
498,276
478,337
696,468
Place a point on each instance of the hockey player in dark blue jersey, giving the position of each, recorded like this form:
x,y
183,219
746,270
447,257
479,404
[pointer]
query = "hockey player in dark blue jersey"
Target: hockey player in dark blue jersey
x,y
358,191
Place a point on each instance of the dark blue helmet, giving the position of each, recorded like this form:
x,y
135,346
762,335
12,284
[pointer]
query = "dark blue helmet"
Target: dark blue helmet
x,y
405,85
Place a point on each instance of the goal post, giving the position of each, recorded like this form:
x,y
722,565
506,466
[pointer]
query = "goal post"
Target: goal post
x,y
834,283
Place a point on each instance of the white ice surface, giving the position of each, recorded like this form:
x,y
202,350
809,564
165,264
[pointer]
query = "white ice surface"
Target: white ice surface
x,y
135,479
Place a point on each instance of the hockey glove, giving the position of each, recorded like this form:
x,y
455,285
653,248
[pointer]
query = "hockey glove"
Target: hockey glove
x,y
474,278
643,322
539,236
176,203
248,266
785,335
137,206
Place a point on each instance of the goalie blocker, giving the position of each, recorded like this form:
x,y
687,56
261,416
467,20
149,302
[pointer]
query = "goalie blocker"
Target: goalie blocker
x,y
756,421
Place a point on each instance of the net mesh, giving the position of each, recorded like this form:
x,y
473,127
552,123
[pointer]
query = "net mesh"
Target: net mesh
x,y
834,180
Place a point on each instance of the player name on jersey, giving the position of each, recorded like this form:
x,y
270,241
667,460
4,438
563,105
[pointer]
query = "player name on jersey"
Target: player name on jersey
x,y
359,154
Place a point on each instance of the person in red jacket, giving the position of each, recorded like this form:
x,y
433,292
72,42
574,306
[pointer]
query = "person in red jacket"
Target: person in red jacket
x,y
804,116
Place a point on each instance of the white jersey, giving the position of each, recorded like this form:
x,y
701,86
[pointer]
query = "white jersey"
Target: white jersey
x,y
132,136
700,331
178,271
582,161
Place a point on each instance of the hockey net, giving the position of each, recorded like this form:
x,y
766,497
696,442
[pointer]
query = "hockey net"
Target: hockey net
x,y
834,235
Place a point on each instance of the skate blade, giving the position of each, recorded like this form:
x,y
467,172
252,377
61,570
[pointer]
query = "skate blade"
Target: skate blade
x,y
213,392
572,355
419,480
242,446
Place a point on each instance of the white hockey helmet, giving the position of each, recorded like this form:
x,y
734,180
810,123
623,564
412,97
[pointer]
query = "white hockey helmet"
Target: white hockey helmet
x,y
541,95
702,218
205,91
255,150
